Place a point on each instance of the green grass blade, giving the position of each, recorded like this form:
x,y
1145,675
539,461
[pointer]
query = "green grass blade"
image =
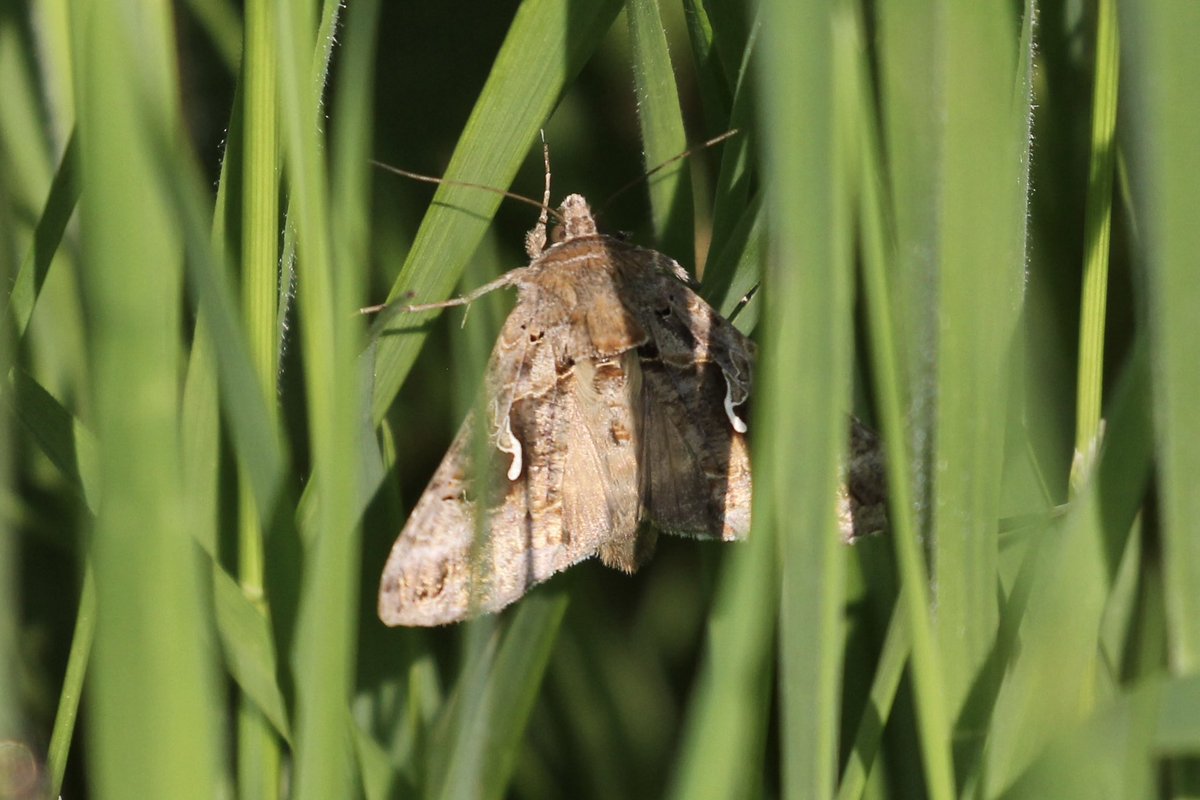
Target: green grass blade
x,y
259,754
981,282
1051,683
82,639
152,703
249,650
255,437
735,182
1166,66
325,648
1178,729
721,754
800,428
1109,754
865,750
546,46
663,135
710,74
735,270
60,204
1097,234
220,21
62,438
493,703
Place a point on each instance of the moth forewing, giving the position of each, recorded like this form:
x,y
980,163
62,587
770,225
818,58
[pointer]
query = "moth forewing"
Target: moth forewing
x,y
613,395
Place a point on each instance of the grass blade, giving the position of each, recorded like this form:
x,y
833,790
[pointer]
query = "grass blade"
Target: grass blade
x,y
1097,233
1051,683
801,431
725,731
491,708
1168,121
60,204
153,731
547,44
663,136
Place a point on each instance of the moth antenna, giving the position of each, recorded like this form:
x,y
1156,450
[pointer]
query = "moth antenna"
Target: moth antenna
x,y
535,240
416,176
544,218
646,175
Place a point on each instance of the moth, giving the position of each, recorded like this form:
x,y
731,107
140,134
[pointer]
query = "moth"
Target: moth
x,y
614,409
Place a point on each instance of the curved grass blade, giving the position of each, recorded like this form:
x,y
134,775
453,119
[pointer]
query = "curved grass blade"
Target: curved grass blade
x,y
547,45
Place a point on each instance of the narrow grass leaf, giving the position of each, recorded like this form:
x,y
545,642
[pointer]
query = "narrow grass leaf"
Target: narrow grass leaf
x,y
1178,729
890,669
325,648
62,438
715,92
734,272
256,439
1111,754
804,391
981,281
724,734
152,710
60,204
259,755
732,196
1166,66
1097,234
663,134
249,649
1049,685
82,638
493,701
548,43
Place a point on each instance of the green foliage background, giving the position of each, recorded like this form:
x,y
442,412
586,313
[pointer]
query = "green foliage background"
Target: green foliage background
x,y
973,224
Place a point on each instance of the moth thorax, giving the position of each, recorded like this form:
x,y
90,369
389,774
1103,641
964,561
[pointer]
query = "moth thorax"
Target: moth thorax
x,y
576,219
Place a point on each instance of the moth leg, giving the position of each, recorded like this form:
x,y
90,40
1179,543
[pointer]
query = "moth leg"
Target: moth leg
x,y
389,310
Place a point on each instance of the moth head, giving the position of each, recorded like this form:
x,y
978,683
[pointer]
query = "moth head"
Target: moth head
x,y
575,220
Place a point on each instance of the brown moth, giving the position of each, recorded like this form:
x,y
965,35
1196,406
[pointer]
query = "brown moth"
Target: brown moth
x,y
614,398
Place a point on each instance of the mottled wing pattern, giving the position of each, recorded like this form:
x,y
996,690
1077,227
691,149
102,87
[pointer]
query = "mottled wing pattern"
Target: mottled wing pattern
x,y
562,487
615,395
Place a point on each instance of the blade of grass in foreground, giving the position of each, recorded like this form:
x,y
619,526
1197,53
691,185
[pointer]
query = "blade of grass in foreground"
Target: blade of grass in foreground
x,y
725,732
1167,66
804,390
325,647
152,704
1167,70
981,280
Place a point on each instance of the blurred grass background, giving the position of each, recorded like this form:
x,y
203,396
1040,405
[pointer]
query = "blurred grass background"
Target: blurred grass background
x,y
974,225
